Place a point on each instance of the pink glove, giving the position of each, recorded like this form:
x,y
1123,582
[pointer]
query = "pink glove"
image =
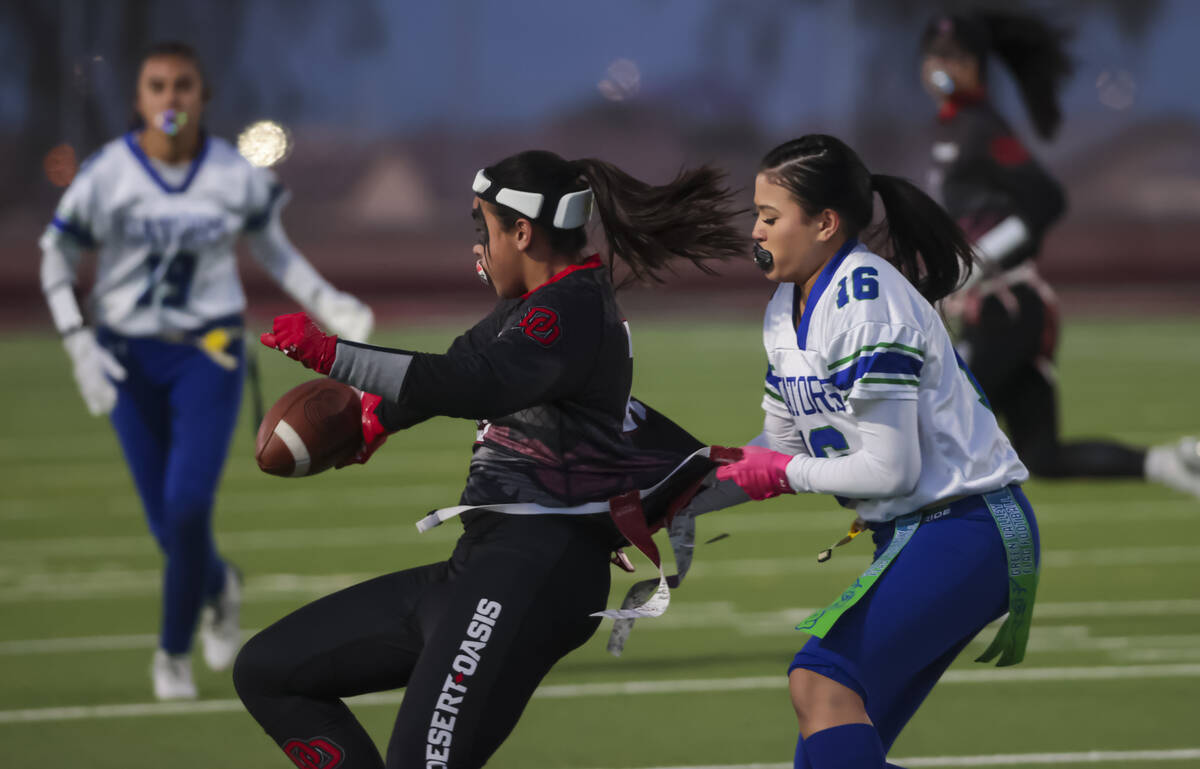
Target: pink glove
x,y
760,472
373,433
300,339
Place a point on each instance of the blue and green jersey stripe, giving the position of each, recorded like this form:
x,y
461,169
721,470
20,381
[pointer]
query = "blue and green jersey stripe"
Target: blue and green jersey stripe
x,y
880,346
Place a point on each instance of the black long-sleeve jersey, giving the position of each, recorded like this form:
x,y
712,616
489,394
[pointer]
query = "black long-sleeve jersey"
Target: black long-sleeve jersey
x,y
548,377
986,175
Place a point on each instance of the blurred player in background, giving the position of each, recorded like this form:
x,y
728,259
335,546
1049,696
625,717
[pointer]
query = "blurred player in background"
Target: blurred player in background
x,y
1005,202
867,400
547,375
161,348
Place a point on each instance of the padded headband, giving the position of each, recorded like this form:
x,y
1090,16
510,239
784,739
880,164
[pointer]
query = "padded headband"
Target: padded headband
x,y
571,210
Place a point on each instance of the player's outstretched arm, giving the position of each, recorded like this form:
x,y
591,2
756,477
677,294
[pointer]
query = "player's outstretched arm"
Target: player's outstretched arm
x,y
95,369
338,311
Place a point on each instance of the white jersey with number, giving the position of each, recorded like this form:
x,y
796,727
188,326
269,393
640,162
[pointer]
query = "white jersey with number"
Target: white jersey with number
x,y
866,333
164,235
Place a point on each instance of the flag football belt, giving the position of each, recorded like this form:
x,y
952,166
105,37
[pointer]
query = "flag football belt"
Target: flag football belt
x,y
648,598
1010,641
213,339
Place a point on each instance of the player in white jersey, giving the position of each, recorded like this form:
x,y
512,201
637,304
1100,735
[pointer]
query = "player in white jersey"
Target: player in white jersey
x,y
162,347
867,400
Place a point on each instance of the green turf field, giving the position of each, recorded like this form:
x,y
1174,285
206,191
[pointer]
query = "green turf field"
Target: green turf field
x,y
1114,662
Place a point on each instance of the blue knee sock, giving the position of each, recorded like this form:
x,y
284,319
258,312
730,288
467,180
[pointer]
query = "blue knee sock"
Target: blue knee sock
x,y
849,746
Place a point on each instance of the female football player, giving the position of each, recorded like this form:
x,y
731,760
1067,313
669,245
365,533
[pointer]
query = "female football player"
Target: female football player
x,y
547,375
161,348
1005,202
866,399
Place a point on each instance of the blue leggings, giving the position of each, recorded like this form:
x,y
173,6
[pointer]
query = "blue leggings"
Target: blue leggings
x,y
948,582
175,414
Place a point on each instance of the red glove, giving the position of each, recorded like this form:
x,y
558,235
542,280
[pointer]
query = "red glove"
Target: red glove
x,y
373,433
760,472
300,339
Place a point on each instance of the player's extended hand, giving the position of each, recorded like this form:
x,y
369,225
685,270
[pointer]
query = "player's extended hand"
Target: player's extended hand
x,y
373,433
297,337
760,472
95,370
344,315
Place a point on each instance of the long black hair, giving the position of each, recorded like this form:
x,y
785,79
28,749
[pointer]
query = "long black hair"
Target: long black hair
x,y
1033,50
923,242
692,217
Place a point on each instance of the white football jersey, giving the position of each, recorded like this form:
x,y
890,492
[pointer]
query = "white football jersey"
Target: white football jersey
x,y
866,333
164,236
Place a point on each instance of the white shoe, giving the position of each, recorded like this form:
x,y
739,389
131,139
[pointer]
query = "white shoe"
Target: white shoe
x,y
220,634
1176,465
172,674
1189,453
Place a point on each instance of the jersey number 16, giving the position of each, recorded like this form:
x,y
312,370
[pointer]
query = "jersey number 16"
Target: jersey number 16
x,y
864,285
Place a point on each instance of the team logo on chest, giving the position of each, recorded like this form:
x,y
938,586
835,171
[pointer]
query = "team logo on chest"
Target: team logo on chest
x,y
162,233
805,394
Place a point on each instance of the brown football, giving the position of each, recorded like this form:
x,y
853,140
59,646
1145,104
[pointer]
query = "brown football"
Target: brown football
x,y
310,429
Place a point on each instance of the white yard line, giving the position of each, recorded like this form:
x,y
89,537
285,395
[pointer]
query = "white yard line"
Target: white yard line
x,y
265,539
33,585
1135,648
403,496
1025,759
999,759
616,688
117,584
72,644
1135,608
410,500
725,615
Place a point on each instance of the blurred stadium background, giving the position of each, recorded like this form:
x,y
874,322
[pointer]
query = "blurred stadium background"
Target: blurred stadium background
x,y
391,106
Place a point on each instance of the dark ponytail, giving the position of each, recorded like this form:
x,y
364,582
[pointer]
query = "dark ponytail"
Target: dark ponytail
x,y
692,217
925,244
1033,50
822,172
1035,53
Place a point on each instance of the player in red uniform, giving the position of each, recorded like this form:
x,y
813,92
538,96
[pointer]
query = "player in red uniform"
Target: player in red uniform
x,y
1005,201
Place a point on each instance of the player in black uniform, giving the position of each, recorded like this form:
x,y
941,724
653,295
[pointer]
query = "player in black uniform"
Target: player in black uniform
x,y
1005,202
548,376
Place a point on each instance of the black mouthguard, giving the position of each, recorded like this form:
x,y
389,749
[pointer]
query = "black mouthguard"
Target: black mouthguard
x,y
763,258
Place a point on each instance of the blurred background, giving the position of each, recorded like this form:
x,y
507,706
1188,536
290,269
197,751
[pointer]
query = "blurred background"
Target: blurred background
x,y
391,107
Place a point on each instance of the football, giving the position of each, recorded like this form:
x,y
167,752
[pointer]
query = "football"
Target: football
x,y
313,427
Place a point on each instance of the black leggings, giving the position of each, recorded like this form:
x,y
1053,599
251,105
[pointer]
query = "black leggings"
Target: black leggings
x,y
1010,353
470,638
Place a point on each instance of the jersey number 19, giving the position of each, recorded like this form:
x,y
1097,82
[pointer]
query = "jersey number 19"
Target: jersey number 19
x,y
169,281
